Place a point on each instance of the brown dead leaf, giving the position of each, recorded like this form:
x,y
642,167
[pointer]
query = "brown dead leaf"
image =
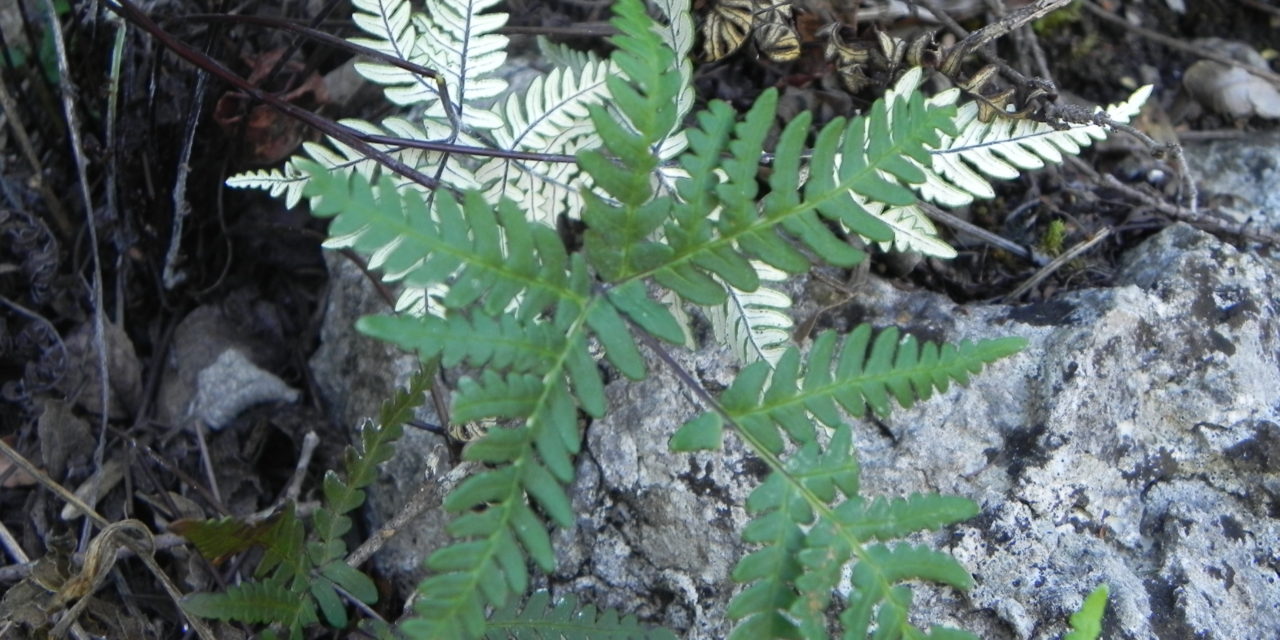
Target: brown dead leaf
x,y
123,367
270,135
1231,91
65,439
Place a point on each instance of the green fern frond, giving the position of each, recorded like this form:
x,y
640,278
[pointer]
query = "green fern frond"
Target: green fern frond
x,y
503,343
845,160
876,599
530,461
808,515
284,554
344,493
519,312
497,526
781,513
866,373
1086,624
489,564
299,571
395,229
677,33
220,538
808,536
259,602
565,619
464,249
617,242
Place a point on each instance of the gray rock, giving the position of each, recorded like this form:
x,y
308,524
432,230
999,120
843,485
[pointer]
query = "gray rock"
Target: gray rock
x,y
1243,172
1133,442
210,375
231,384
1127,408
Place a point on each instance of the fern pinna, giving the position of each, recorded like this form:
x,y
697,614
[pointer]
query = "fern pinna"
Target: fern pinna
x,y
520,309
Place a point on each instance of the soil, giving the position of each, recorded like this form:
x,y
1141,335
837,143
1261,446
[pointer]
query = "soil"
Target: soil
x,y
175,138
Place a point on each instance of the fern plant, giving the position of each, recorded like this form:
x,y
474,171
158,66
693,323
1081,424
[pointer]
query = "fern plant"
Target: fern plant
x,y
511,279
520,312
304,570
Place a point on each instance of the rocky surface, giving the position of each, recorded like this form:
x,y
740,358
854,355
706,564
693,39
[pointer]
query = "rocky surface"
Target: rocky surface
x,y
210,375
1242,174
1134,442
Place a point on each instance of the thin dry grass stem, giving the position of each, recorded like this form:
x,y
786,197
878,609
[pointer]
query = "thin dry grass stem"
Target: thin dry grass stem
x,y
172,276
294,487
51,201
1057,263
1196,218
944,217
144,553
206,462
68,92
426,497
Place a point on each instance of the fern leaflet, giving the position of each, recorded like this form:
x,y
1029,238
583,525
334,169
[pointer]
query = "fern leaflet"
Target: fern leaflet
x,y
552,117
539,618
844,160
255,602
1003,146
458,40
1086,624
755,323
